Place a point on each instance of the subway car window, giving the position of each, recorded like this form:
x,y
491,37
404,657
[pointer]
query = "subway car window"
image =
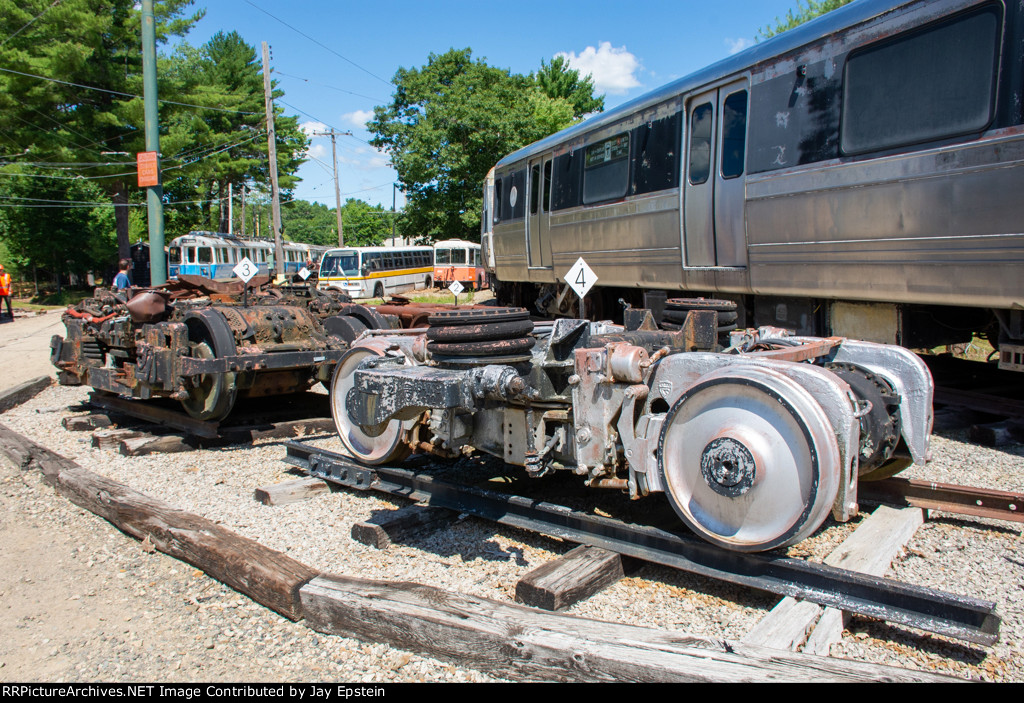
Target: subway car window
x,y
534,188
606,171
700,144
497,200
734,134
656,159
932,84
547,186
565,185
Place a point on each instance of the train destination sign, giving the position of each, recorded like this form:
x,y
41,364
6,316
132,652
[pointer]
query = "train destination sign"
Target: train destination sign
x,y
580,277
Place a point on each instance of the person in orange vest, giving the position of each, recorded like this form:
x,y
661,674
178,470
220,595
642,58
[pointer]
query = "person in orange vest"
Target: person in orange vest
x,y
5,291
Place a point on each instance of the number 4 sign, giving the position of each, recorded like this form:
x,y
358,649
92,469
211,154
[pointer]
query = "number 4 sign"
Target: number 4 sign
x,y
580,277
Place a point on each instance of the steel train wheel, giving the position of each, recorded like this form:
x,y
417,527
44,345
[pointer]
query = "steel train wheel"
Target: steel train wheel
x,y
369,449
749,460
210,396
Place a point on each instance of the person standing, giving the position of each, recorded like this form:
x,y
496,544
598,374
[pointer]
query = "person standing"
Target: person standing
x,y
5,291
121,281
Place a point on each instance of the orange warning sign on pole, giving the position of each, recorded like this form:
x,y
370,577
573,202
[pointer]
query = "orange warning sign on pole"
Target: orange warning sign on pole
x,y
149,169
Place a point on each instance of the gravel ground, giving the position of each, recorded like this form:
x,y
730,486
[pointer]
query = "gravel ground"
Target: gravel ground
x,y
100,608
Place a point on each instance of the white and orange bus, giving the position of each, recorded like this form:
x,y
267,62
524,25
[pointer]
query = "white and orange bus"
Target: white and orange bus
x,y
373,272
458,260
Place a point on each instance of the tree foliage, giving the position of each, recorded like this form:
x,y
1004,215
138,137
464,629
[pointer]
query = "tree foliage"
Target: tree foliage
x,y
226,145
806,10
450,121
558,80
71,112
315,223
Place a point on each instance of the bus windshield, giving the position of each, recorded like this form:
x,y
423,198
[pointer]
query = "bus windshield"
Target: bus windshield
x,y
342,264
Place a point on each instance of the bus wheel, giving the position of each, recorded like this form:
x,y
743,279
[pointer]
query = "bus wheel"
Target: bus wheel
x,y
378,291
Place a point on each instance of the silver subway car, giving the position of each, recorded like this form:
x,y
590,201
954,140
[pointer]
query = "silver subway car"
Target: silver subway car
x,y
859,175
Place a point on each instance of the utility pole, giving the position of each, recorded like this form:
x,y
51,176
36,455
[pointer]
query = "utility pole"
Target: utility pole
x,y
243,212
231,213
154,194
337,192
275,195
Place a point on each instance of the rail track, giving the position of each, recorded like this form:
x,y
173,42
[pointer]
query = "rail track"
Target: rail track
x,y
957,616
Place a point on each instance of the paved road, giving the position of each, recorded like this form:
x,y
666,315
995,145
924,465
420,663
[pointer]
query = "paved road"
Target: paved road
x,y
25,347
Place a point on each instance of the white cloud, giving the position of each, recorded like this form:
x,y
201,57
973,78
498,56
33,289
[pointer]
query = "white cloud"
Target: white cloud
x,y
738,45
359,118
613,69
309,127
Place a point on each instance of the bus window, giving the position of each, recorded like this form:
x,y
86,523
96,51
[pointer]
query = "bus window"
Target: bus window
x,y
442,256
458,256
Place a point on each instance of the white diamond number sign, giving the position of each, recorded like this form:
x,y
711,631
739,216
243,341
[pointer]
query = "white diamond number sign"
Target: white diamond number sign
x,y
580,277
245,269
304,273
456,287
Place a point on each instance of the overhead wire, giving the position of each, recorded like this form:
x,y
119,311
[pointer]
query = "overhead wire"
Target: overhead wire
x,y
29,23
321,45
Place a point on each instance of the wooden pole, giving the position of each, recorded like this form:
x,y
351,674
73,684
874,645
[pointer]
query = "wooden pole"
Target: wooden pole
x,y
275,195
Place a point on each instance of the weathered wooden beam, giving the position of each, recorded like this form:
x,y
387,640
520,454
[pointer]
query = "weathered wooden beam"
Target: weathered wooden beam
x,y
291,491
869,550
268,577
83,423
520,642
296,428
384,528
574,576
998,434
16,395
112,438
156,444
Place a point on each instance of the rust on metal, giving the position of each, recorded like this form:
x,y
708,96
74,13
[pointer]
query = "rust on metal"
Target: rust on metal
x,y
964,500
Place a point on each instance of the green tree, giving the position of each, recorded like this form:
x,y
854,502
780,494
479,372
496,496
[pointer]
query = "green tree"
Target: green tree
x,y
448,123
75,238
315,223
805,10
211,149
365,225
558,80
59,125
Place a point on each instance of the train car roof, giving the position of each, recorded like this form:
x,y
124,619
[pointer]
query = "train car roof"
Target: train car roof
x,y
372,249
845,16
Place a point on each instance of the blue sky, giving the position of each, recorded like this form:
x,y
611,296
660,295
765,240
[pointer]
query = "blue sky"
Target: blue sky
x,y
334,59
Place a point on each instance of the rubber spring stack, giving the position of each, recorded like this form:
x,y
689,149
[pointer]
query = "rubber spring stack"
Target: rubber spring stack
x,y
676,310
481,336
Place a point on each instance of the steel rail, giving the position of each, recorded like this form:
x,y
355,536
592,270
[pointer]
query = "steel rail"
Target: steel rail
x,y
965,500
956,616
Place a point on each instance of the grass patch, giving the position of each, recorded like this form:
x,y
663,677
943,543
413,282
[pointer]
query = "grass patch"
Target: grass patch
x,y
48,299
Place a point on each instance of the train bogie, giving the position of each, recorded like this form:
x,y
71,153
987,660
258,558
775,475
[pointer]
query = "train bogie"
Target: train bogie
x,y
754,450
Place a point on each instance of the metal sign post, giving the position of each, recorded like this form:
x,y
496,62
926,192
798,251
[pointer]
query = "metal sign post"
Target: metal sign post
x,y
245,269
456,288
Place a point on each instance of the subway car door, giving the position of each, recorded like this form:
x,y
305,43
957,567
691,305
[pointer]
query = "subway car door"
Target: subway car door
x,y
537,236
713,229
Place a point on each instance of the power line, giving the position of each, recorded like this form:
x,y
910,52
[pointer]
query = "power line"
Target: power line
x,y
324,46
126,95
54,4
325,85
